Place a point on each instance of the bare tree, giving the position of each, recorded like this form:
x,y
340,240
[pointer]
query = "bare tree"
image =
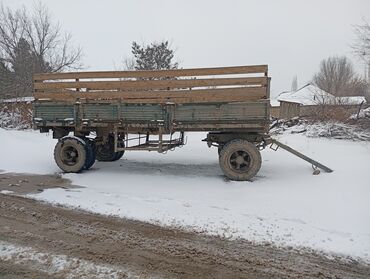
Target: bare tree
x,y
129,64
361,46
30,42
337,77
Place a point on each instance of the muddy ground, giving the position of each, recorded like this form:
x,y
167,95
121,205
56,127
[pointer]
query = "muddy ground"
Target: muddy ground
x,y
31,184
132,249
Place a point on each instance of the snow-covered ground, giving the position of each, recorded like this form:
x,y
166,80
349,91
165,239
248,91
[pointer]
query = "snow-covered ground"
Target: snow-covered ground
x,y
284,205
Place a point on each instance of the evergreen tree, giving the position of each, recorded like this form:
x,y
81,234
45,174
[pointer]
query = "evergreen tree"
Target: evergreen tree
x,y
23,66
155,56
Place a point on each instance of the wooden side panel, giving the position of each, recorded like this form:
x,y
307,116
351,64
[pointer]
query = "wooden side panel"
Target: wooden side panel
x,y
181,96
159,86
151,84
155,73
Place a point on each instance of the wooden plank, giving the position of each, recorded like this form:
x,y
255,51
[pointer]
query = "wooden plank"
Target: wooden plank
x,y
246,93
155,73
181,100
189,100
151,84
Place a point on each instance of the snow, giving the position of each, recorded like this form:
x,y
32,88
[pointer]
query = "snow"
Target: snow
x,y
364,113
284,205
27,151
18,100
60,265
13,120
328,129
312,95
274,102
6,192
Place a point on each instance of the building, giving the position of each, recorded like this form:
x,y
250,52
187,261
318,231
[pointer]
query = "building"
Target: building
x,y
305,99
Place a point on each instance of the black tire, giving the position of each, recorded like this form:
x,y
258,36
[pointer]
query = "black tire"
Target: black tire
x,y
90,154
219,148
70,154
119,155
105,152
240,160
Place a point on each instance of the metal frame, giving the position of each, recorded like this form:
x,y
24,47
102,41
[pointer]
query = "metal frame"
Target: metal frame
x,y
159,145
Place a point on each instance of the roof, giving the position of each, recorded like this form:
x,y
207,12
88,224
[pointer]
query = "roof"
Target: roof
x,y
274,102
312,95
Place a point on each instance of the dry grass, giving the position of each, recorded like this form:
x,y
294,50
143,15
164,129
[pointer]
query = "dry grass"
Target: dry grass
x,y
338,113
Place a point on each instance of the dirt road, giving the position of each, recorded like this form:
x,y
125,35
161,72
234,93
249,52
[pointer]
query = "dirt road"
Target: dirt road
x,y
38,240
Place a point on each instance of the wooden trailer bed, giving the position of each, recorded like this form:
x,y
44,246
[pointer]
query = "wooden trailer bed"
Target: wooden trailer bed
x,y
179,100
230,103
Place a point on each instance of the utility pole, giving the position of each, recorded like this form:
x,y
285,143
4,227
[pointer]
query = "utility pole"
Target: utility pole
x,y
368,81
366,67
367,73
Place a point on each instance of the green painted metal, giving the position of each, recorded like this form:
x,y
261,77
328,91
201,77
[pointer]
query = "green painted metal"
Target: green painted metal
x,y
100,112
142,113
191,117
53,111
230,112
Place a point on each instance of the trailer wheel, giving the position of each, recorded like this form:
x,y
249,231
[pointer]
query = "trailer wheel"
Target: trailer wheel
x,y
70,154
119,155
90,154
219,149
240,160
105,152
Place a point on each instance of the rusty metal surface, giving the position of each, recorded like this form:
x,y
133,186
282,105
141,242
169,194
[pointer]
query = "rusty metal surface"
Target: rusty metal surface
x,y
188,117
100,111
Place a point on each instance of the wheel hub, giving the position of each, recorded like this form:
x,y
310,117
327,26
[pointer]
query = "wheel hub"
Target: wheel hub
x,y
240,160
69,155
72,154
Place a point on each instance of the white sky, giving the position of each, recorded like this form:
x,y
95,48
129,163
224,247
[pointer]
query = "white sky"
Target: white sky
x,y
291,36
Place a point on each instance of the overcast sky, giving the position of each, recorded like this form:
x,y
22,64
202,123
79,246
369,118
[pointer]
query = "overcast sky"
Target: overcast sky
x,y
291,36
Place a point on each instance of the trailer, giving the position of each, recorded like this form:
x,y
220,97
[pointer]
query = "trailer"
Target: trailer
x,y
101,115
